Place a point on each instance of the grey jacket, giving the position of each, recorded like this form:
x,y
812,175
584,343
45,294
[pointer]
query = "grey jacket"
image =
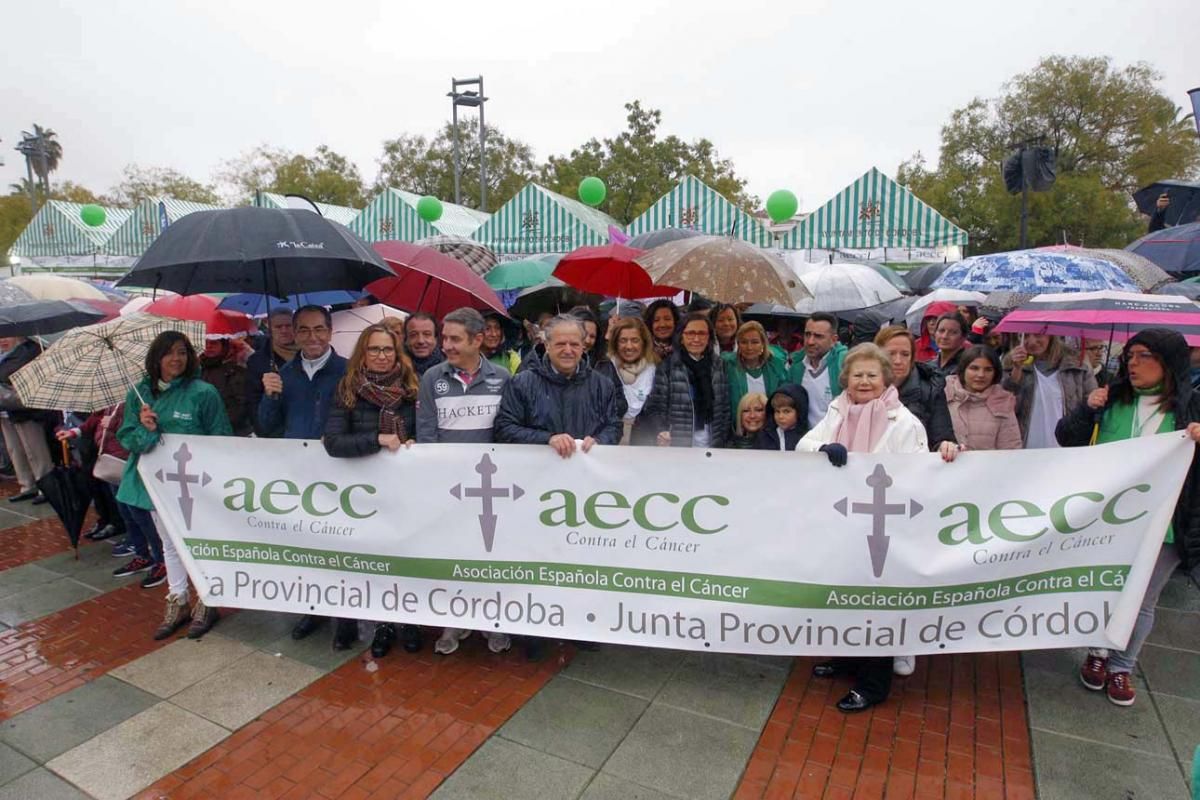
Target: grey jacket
x,y
1077,383
448,411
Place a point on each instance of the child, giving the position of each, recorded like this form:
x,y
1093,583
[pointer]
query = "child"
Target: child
x,y
788,420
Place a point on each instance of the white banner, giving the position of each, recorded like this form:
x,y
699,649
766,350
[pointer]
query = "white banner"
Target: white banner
x,y
723,550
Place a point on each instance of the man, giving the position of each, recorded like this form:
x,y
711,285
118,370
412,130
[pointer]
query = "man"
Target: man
x,y
457,402
819,365
219,366
24,429
278,350
420,339
296,399
493,345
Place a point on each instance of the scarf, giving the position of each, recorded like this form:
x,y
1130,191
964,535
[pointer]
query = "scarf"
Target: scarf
x,y
629,372
700,376
662,349
384,389
863,424
431,360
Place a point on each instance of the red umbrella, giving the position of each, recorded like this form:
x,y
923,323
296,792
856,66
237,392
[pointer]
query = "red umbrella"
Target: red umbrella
x,y
218,323
109,308
429,281
609,270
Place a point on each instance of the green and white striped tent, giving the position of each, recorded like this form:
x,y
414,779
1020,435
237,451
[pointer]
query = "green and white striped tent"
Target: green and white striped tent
x,y
392,215
57,230
537,220
145,223
343,214
873,212
695,205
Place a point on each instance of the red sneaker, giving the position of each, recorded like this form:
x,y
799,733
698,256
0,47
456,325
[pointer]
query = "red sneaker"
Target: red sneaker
x,y
1094,672
1120,688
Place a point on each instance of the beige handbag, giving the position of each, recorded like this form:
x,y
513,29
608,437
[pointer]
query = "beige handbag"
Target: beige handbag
x,y
108,468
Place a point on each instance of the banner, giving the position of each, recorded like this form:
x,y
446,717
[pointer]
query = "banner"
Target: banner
x,y
723,550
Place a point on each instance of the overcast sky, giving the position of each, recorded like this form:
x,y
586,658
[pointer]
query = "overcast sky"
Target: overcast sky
x,y
800,95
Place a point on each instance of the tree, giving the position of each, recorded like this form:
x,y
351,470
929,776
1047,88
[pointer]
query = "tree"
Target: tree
x,y
423,166
325,177
139,182
1112,130
638,167
14,216
43,151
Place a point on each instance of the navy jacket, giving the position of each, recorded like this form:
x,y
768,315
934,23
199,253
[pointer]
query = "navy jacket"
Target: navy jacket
x,y
539,403
258,365
768,437
301,411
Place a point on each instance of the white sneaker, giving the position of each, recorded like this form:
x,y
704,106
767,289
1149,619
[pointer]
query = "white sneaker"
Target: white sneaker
x,y
447,643
904,665
498,642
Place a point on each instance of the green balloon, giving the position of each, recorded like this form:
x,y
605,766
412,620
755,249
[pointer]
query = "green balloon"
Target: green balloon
x,y
429,208
782,205
592,191
92,215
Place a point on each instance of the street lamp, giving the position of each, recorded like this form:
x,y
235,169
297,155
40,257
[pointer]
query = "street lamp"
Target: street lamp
x,y
470,98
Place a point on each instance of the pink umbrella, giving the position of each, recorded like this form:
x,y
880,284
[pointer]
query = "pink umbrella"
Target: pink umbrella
x,y
429,281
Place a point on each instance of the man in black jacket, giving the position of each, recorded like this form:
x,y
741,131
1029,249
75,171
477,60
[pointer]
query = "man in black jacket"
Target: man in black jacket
x,y
275,351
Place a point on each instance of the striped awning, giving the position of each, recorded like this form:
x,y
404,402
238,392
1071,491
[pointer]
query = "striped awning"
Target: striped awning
x,y
694,205
873,212
537,220
145,223
392,215
59,230
342,214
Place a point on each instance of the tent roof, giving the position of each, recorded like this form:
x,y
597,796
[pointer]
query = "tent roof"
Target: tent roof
x,y
59,230
874,211
143,226
393,215
343,214
693,204
537,220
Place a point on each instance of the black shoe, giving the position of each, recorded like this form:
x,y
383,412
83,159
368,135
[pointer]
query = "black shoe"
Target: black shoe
x,y
40,499
826,669
854,702
345,633
101,532
385,634
305,626
23,496
410,636
535,648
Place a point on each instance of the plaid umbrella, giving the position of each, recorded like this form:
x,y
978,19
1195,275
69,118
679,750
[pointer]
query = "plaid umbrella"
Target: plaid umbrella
x,y
470,252
724,269
92,368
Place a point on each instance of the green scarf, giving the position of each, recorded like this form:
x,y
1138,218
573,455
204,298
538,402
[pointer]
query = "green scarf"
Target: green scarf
x,y
1117,425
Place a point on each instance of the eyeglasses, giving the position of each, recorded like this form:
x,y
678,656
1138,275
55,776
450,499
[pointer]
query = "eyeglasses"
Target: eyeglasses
x,y
320,330
376,352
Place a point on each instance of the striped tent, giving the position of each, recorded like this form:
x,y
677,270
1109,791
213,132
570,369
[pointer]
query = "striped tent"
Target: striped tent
x,y
145,223
392,215
873,212
693,204
343,214
59,230
537,220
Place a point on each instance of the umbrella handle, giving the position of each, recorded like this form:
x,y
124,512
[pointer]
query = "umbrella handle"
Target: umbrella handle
x,y
66,453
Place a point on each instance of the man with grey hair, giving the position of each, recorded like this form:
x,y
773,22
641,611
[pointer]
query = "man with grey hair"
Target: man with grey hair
x,y
278,349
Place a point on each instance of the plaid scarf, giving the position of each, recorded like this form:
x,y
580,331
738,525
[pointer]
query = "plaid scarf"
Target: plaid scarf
x,y
384,389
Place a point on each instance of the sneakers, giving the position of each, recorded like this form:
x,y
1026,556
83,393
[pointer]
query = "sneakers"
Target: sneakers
x,y
203,618
904,665
498,642
138,564
175,617
1120,688
1094,672
447,643
123,550
157,576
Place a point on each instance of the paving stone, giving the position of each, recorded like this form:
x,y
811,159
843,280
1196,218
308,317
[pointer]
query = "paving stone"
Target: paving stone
x,y
40,784
1182,720
577,721
1073,769
608,787
1171,671
1177,629
1180,594
317,649
249,686
129,757
11,518
93,568
54,727
13,764
683,754
25,577
172,669
501,768
39,601
639,671
737,690
258,628
1065,660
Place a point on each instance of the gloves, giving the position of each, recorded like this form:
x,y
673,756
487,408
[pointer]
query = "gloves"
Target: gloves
x,y
836,453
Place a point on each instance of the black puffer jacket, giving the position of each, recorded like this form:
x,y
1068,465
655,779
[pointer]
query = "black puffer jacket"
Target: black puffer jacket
x,y
924,394
354,432
1075,430
669,407
539,403
18,357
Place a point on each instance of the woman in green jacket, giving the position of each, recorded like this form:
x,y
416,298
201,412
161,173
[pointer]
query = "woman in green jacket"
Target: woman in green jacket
x,y
753,366
170,399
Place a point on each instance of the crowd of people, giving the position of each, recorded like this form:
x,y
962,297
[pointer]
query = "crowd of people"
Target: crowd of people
x,y
698,376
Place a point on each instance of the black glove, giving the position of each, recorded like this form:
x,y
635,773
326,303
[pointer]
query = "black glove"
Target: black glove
x,y
836,453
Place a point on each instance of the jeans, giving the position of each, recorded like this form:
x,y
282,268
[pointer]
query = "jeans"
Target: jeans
x,y
177,577
142,533
1125,660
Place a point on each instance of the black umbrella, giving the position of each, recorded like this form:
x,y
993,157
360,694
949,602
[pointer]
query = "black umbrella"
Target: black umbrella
x,y
259,250
551,296
645,241
1184,196
921,279
1176,250
65,487
1189,290
46,316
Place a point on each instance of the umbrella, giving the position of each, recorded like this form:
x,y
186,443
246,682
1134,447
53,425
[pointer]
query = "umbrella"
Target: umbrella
x,y
842,287
138,304
519,274
997,304
957,296
1189,290
890,275
920,280
651,239
348,324
56,287
552,296
1034,271
259,250
426,280
11,294
67,490
1185,200
1174,249
889,313
723,269
1144,272
1096,315
609,270
259,305
218,324
478,257
767,311
92,368
46,316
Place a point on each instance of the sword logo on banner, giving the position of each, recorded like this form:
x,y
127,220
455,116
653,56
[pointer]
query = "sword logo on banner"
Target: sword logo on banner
x,y
487,493
879,510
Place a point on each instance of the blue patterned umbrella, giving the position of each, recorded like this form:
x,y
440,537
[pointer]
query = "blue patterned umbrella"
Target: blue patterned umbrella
x,y
1034,272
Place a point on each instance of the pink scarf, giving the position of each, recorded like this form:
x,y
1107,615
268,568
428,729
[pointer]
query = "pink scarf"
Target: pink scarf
x,y
863,424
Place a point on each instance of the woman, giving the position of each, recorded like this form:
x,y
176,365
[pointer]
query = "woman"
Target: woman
x,y
375,409
726,322
983,412
662,318
1048,382
754,366
867,417
170,399
920,387
1150,395
926,349
751,418
689,403
593,342
631,365
950,336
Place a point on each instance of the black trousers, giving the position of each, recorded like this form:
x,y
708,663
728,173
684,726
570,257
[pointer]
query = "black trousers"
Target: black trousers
x,y
105,501
872,676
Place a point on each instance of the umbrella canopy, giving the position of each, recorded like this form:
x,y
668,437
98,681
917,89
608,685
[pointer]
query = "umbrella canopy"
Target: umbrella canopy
x,y
608,270
426,280
766,311
1174,249
66,488
723,269
997,304
137,304
957,296
1189,290
842,287
921,279
92,368
1184,205
478,257
56,287
519,274
651,239
1034,271
218,324
553,296
1144,272
887,273
348,324
259,305
259,250
1097,315
11,294
46,316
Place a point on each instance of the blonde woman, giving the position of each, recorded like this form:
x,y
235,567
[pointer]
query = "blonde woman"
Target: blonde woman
x,y
751,418
631,364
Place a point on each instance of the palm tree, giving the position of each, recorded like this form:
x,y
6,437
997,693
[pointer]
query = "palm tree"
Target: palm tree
x,y
44,152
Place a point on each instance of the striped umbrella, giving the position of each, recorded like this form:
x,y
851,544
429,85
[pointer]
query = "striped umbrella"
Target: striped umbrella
x,y
1098,315
1174,249
478,257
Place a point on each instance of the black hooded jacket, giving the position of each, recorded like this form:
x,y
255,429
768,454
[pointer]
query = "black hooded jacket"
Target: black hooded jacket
x,y
539,403
768,437
924,394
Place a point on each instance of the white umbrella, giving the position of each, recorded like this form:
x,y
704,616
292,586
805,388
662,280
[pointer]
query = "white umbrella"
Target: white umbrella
x,y
348,324
842,287
135,305
57,287
957,296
